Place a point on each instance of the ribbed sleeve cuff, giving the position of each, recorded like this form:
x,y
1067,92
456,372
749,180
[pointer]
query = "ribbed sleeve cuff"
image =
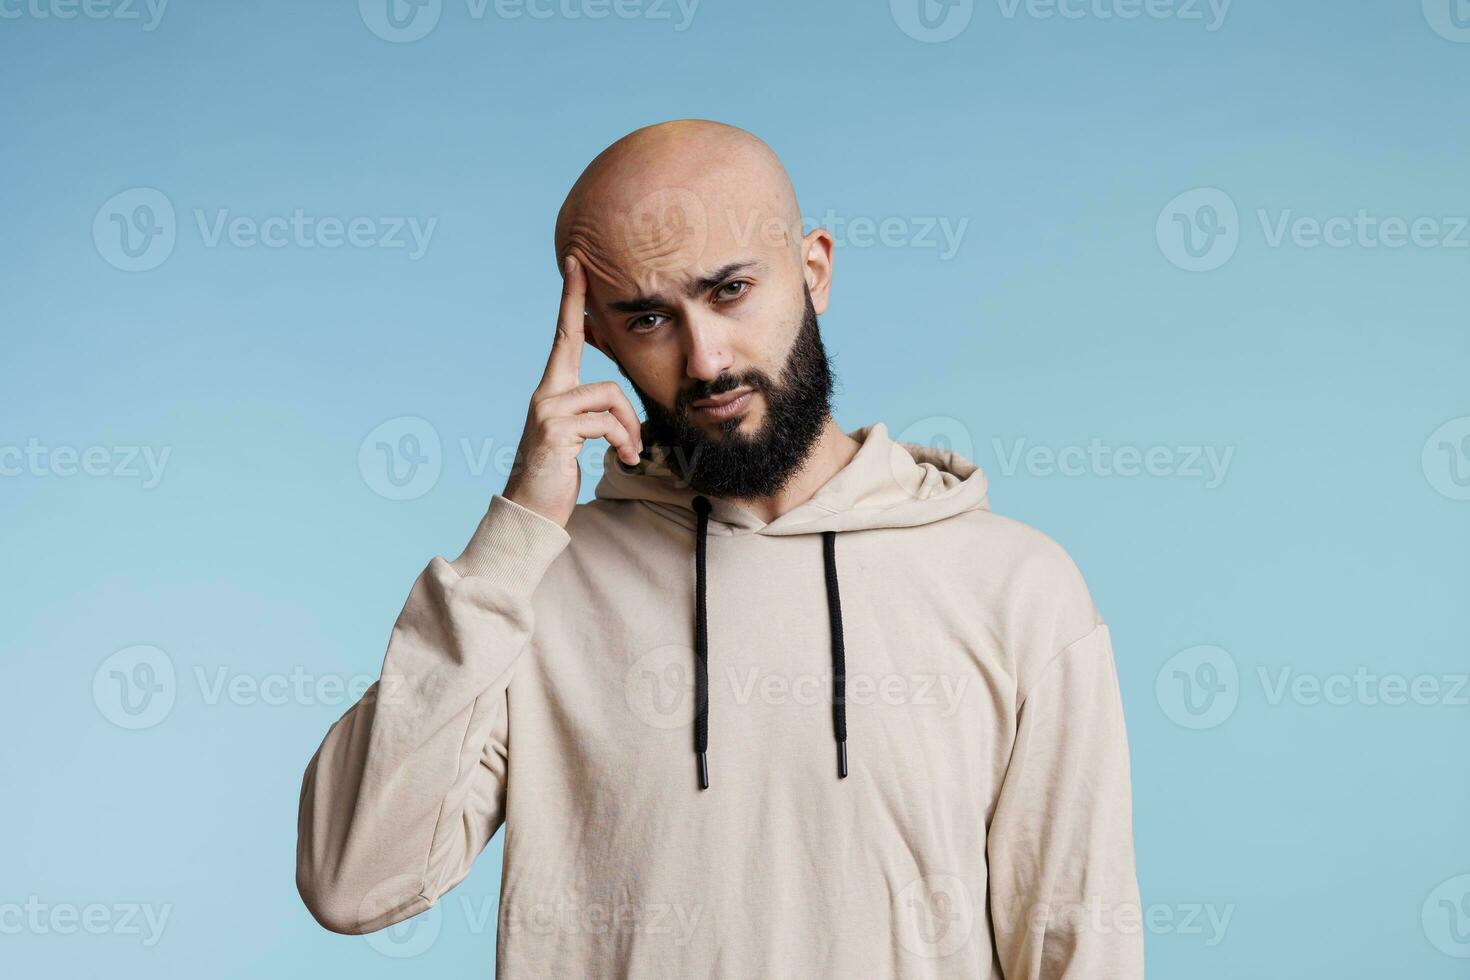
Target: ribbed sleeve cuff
x,y
513,546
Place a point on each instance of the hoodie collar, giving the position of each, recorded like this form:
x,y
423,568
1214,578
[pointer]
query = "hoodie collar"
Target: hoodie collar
x,y
887,483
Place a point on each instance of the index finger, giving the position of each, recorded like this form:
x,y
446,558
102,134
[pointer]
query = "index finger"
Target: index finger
x,y
564,365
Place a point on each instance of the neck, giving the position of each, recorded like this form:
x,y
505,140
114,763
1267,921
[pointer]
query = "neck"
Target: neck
x,y
832,450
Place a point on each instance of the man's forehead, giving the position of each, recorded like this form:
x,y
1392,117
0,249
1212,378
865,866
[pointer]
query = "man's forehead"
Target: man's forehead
x,y
674,228
675,242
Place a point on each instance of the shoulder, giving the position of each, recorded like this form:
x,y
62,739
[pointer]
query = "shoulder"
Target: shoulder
x,y
1038,599
1019,557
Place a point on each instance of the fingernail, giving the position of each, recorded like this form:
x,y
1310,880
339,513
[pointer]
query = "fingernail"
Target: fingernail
x,y
568,264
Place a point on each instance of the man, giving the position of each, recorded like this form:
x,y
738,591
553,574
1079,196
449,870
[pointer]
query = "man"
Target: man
x,y
783,700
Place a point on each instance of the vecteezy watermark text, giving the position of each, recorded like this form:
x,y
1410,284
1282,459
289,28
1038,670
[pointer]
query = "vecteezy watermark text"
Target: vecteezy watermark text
x,y
1201,229
406,21
1201,686
145,463
137,687
37,917
148,12
136,230
1208,464
934,21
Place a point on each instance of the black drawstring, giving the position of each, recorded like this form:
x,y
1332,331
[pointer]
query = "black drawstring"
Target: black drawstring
x,y
839,654
701,647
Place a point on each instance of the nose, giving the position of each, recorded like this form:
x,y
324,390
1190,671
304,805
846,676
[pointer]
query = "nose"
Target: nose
x,y
707,354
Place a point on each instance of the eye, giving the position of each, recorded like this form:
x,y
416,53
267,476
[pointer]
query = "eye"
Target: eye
x,y
732,290
646,323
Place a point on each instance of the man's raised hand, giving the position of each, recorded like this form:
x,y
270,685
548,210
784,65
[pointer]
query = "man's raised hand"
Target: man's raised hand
x,y
565,413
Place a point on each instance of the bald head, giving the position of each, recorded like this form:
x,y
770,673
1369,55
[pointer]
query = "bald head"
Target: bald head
x,y
664,199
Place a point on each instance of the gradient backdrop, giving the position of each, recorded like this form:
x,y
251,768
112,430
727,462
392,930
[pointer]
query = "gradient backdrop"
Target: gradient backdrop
x,y
1191,282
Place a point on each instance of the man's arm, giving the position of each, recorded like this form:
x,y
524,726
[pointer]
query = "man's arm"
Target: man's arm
x,y
1063,889
408,786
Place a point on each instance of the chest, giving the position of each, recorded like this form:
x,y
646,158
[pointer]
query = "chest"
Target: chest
x,y
612,675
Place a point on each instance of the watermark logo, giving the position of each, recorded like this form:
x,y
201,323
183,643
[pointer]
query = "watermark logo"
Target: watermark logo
x,y
934,915
666,230
1198,687
1199,230
135,688
1446,459
412,936
1446,917
403,469
135,230
138,687
400,21
937,434
402,458
659,687
1450,19
932,21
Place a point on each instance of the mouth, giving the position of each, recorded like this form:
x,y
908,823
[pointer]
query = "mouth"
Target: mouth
x,y
725,406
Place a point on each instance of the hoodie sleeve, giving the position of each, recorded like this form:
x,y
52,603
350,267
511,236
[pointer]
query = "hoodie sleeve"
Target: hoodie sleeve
x,y
408,786
1064,894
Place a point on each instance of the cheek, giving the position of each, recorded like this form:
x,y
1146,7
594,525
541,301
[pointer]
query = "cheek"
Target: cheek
x,y
767,332
655,368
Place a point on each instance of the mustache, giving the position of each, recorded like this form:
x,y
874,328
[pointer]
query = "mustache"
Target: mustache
x,y
756,380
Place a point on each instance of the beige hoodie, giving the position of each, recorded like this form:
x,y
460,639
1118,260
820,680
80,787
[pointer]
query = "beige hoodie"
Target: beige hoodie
x,y
546,678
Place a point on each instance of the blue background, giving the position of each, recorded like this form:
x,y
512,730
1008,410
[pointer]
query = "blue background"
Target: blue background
x,y
1333,542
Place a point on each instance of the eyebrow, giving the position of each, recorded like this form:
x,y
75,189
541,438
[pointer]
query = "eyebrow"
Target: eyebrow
x,y
646,302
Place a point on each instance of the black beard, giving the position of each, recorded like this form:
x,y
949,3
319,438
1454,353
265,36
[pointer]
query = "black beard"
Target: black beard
x,y
760,465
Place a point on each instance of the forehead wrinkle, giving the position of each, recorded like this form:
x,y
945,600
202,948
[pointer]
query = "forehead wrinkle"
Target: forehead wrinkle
x,y
583,238
626,252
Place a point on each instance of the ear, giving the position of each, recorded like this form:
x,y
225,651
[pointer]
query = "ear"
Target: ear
x,y
816,266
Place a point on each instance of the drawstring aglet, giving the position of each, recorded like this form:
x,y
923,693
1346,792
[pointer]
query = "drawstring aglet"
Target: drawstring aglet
x,y
704,771
842,759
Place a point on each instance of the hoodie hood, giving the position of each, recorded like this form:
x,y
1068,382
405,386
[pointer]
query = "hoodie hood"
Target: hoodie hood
x,y
886,484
